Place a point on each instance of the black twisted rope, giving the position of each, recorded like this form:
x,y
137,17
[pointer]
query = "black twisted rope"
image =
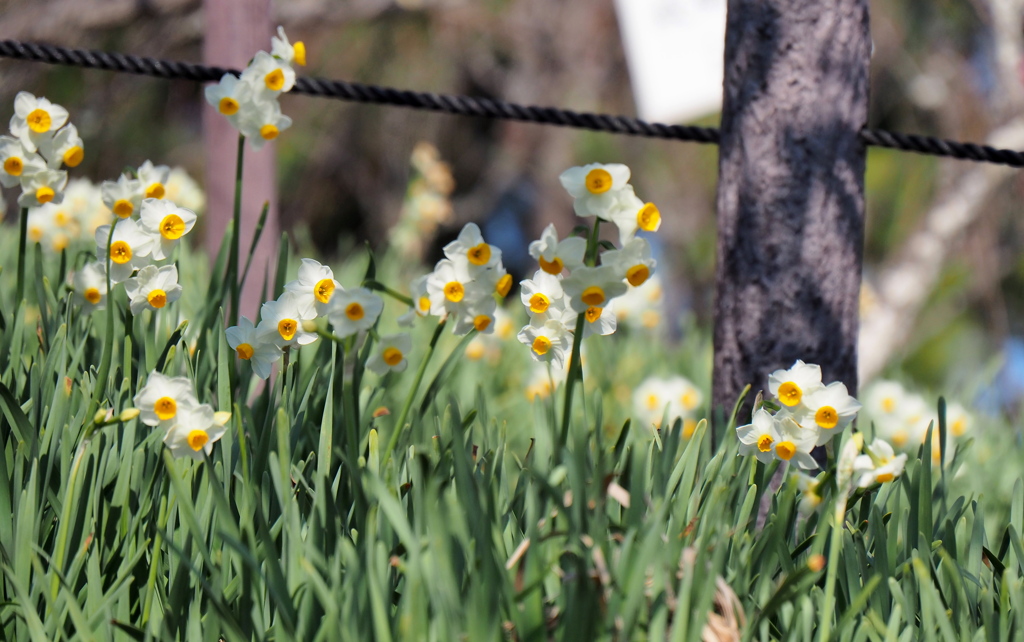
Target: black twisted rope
x,y
469,106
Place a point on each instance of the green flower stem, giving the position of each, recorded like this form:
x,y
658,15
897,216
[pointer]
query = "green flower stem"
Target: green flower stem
x,y
575,368
22,248
380,287
400,424
235,234
108,345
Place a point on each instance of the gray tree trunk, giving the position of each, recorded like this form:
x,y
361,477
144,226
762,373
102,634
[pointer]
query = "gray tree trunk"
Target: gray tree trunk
x,y
790,192
234,31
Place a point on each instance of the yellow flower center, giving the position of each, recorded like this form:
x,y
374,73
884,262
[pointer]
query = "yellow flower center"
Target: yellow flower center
x,y
424,304
392,356
764,443
45,194
593,296
157,298
539,303
39,121
36,234
299,51
479,254
60,242
689,425
197,439
637,274
172,227
598,181
899,438
60,217
475,350
541,345
592,314
453,291
481,322
888,404
228,106
120,252
959,427
354,311
652,401
14,166
156,190
648,218
554,266
790,394
287,328
92,295
323,290
74,156
884,477
274,80
269,132
123,208
504,285
689,400
785,450
244,351
826,417
165,408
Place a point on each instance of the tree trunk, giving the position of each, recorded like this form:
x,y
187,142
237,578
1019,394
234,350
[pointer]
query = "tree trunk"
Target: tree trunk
x,y
790,192
235,31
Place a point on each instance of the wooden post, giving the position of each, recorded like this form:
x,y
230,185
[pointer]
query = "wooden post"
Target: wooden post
x,y
790,192
235,31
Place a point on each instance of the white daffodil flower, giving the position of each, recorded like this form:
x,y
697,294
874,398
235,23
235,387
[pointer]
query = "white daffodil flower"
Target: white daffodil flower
x,y
884,399
790,386
548,342
165,223
260,352
353,310
314,286
794,443
632,214
686,397
391,354
758,438
17,162
830,409
227,97
83,201
130,248
420,295
633,262
281,322
878,465
35,119
195,430
183,190
90,286
451,288
123,196
163,397
599,321
152,288
595,188
495,279
554,255
284,50
478,315
471,248
269,75
651,399
153,179
46,186
66,147
541,292
593,287
958,420
261,121
810,497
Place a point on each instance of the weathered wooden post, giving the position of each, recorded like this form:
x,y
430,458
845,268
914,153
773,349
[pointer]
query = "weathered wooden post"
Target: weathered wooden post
x,y
790,192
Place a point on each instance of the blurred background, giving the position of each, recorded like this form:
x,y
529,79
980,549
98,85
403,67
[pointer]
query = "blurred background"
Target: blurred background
x,y
944,270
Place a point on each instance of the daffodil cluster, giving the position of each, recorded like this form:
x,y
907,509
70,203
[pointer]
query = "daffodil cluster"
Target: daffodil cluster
x,y
465,285
668,398
170,404
250,102
810,414
41,142
426,205
902,417
567,285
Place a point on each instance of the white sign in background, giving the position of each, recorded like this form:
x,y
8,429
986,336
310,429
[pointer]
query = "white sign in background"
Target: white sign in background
x,y
675,50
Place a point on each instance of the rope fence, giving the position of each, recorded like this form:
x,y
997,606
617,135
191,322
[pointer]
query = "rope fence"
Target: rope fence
x,y
470,106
